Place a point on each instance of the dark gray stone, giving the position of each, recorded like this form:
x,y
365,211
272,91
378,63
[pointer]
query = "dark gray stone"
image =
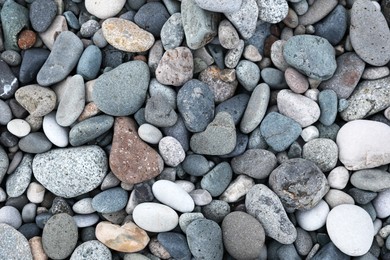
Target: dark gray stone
x,y
29,230
4,163
71,20
151,17
111,200
32,61
216,210
288,252
175,244
333,26
329,132
42,14
196,165
9,83
330,252
35,142
217,180
263,30
60,205
362,196
179,132
89,129
241,144
235,106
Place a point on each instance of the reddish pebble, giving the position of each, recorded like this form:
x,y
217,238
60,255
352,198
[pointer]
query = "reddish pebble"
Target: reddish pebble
x,y
27,39
140,57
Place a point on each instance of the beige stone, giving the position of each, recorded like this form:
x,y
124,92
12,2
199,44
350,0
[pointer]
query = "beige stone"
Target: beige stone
x,y
58,26
37,249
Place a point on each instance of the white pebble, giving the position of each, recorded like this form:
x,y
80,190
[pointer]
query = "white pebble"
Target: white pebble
x,y
382,204
313,218
35,192
149,133
56,134
171,151
237,189
338,178
309,133
312,94
171,194
83,206
18,127
201,197
103,8
155,217
3,195
186,185
337,197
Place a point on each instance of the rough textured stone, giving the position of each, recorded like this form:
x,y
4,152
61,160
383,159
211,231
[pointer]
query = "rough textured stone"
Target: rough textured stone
x,y
37,100
9,83
93,249
245,18
104,9
42,13
255,163
323,152
272,11
10,240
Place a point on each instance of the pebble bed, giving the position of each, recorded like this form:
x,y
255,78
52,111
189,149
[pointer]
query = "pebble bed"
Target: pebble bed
x,y
194,129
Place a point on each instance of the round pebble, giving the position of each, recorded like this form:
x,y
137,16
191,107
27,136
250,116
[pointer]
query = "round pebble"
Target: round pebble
x,y
91,249
10,216
313,218
173,195
155,217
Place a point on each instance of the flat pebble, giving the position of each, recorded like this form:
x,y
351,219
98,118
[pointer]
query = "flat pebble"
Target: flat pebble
x,y
328,102
186,219
86,220
127,238
35,142
173,195
172,32
175,244
371,180
196,165
110,200
6,114
83,168
333,26
350,228
361,196
220,6
93,249
313,218
328,252
227,35
32,61
155,217
56,134
37,100
103,9
151,17
263,204
235,106
42,13
375,72
274,78
323,152
18,127
336,197
362,144
10,216
256,163
19,180
159,112
204,238
10,239
90,61
89,129
201,197
149,133
317,11
83,206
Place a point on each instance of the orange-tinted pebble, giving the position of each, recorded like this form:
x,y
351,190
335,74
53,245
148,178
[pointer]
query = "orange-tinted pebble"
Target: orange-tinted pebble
x,y
140,57
27,39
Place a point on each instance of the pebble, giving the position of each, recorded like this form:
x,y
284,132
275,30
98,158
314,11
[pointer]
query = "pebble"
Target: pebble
x,y
103,9
237,189
328,252
82,168
276,55
381,204
49,36
42,14
151,17
171,151
256,163
328,102
186,219
235,106
19,180
204,238
338,178
6,113
273,11
244,19
200,26
110,200
133,161
369,36
10,239
302,52
127,238
274,78
256,108
171,194
89,28
221,172
59,237
369,97
371,180
263,204
317,11
56,134
201,197
63,58
18,127
155,217
86,220
361,196
299,184
233,56
350,228
243,235
248,74
336,197
348,73
126,36
220,6
314,218
149,133
89,63
375,72
89,129
113,97
323,152
304,242
175,67
219,137
92,249
196,165
333,26
175,244
37,100
12,58
9,83
158,89
310,133
29,212
83,206
32,61
279,131
172,32
227,35
35,143
10,216
14,18
251,53
362,144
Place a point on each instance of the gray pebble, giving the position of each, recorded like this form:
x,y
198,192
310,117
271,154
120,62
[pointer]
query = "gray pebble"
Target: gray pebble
x,y
86,220
323,152
175,244
159,112
327,100
329,132
216,210
288,252
245,18
158,89
90,62
36,142
5,113
233,56
235,106
274,78
255,163
248,74
196,165
29,212
32,61
227,35
218,179
99,40
111,200
19,180
172,33
241,144
362,196
151,17
10,239
9,83
10,216
11,57
263,30
179,132
89,28
42,14
72,20
333,26
304,242
375,180
92,249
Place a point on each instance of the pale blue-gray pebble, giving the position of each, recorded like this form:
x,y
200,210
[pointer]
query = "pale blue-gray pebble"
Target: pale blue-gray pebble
x,y
179,132
10,239
93,249
216,210
111,200
11,216
42,14
172,33
86,220
89,28
90,62
327,99
11,57
241,144
175,244
333,26
29,212
19,180
330,252
72,20
217,180
5,113
274,78
196,165
35,142
263,30
248,74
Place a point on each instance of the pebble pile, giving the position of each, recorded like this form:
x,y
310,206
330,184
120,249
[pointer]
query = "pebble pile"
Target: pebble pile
x,y
194,129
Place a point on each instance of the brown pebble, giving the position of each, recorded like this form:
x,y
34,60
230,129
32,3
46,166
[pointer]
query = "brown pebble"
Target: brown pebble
x,y
296,81
27,39
140,57
37,249
268,43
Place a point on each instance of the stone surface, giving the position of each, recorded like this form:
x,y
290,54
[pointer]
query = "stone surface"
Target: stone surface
x,y
149,133
127,238
256,163
381,204
9,83
171,194
151,17
317,11
110,200
263,204
350,228
90,61
227,35
333,26
328,103
220,6
312,55
11,239
175,244
235,106
313,218
20,179
37,100
338,178
42,13
362,144
155,217
92,249
371,180
369,33
59,236
83,168
244,19
172,32
323,152
104,9
35,143
11,216
248,74
272,11
56,134
112,94
32,61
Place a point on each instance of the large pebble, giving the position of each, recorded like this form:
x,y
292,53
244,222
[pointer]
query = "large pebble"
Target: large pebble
x,y
112,94
200,26
173,195
195,102
204,239
248,74
369,33
272,11
111,200
18,127
371,180
32,61
227,35
381,204
172,32
19,180
132,161
223,173
297,82
89,129
334,26
10,239
35,142
256,163
219,137
263,204
279,131
299,183
245,18
149,133
323,152
56,134
59,236
298,107
151,17
63,58
93,249
104,9
155,217
348,73
317,11
126,35
42,13
313,218
37,100
351,229
4,163
82,168
220,6
6,113
312,55
11,216
243,235
127,238
235,106
90,62
369,97
364,144
175,67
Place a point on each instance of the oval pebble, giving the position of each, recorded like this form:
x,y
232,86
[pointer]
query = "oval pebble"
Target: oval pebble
x,y
56,134
313,218
149,133
171,151
371,180
18,127
10,239
92,249
173,195
104,9
155,217
111,200
11,216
